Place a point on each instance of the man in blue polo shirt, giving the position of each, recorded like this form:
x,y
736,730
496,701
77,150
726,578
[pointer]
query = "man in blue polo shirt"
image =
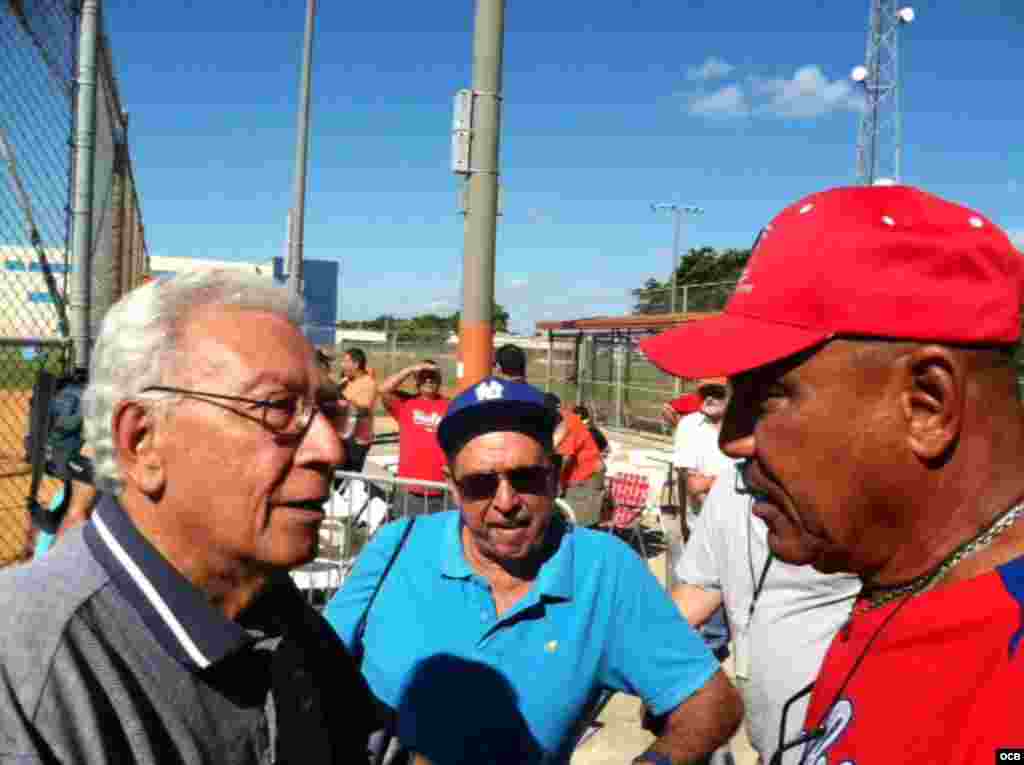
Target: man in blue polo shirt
x,y
499,625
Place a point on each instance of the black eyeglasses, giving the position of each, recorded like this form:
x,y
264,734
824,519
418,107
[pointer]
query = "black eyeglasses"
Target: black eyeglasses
x,y
524,480
285,416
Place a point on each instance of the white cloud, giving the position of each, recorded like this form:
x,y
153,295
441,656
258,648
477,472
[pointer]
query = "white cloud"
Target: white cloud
x,y
729,101
516,283
713,68
806,95
1017,237
809,93
441,306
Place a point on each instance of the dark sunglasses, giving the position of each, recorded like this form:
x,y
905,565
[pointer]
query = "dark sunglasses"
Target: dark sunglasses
x,y
525,480
713,391
428,377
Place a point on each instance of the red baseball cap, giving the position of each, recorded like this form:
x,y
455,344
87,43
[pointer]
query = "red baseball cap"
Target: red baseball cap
x,y
880,261
688,403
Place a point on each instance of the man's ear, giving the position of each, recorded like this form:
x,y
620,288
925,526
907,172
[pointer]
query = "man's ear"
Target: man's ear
x,y
556,474
134,436
933,400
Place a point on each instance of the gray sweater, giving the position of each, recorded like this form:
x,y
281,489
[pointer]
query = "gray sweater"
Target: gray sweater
x,y
84,680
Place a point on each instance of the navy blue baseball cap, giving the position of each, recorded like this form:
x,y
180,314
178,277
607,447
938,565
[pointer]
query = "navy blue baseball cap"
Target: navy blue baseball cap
x,y
496,405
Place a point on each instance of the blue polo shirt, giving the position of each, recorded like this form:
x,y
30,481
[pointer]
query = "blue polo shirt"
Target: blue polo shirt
x,y
470,686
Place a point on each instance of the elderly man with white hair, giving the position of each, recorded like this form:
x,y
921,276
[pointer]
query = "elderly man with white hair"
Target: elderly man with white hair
x,y
166,628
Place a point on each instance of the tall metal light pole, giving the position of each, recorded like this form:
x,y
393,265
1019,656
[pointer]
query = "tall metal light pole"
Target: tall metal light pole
x,y
880,135
476,144
80,304
678,211
298,213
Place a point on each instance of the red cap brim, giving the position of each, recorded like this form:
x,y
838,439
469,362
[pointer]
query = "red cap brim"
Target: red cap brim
x,y
726,345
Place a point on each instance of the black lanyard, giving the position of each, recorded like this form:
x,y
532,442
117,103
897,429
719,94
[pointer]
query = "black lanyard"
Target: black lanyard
x,y
760,585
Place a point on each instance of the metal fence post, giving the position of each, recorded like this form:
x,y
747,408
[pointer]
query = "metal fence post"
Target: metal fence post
x,y
581,367
591,367
115,286
619,364
297,221
551,359
130,267
80,304
627,376
141,255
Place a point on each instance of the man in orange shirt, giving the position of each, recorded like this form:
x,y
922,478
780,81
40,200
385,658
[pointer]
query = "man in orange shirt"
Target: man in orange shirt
x,y
582,465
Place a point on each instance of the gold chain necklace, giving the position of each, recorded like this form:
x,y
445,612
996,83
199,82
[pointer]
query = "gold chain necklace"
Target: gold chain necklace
x,y
880,596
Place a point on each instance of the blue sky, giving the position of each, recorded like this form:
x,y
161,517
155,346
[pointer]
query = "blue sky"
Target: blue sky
x,y
738,107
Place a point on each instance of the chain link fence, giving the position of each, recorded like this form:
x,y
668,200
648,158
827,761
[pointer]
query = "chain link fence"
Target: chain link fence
x,y
621,387
39,42
711,296
605,370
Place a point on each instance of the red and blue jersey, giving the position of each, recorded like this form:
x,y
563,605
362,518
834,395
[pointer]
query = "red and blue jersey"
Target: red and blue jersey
x,y
941,683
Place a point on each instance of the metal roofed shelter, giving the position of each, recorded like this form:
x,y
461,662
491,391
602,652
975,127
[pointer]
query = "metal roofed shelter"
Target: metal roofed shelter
x,y
609,374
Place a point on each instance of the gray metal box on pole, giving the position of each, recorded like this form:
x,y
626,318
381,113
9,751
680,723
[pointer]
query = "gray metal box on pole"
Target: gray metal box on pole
x,y
462,125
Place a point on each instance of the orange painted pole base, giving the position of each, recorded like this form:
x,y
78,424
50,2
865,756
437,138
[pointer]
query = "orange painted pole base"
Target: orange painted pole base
x,y
476,353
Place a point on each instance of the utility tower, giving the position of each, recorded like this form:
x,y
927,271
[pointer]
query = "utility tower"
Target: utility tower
x,y
880,138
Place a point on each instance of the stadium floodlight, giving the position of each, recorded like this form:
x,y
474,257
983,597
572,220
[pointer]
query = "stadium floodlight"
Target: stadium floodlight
x,y
677,211
859,73
905,15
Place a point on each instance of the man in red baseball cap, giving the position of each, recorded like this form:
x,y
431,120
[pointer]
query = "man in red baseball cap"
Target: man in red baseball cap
x,y
870,350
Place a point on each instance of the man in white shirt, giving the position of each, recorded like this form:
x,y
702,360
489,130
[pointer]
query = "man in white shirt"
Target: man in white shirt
x,y
696,455
699,462
782,616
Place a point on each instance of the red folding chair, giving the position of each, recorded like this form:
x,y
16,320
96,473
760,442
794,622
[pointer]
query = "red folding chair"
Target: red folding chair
x,y
628,493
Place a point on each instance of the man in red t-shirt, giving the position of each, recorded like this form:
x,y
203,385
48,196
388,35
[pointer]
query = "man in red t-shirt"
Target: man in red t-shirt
x,y
883,435
582,465
419,455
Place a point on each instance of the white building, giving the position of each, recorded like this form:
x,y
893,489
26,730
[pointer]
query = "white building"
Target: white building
x,y
320,288
28,310
164,265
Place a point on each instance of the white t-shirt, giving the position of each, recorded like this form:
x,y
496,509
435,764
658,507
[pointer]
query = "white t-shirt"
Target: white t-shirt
x,y
695,446
796,616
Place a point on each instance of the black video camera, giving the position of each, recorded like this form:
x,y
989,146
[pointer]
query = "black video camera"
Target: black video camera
x,y
53,444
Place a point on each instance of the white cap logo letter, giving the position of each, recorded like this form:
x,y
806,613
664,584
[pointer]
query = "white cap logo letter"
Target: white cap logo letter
x,y
488,391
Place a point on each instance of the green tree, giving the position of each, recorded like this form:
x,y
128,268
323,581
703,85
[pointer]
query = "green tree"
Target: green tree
x,y
501,319
708,275
425,325
651,298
